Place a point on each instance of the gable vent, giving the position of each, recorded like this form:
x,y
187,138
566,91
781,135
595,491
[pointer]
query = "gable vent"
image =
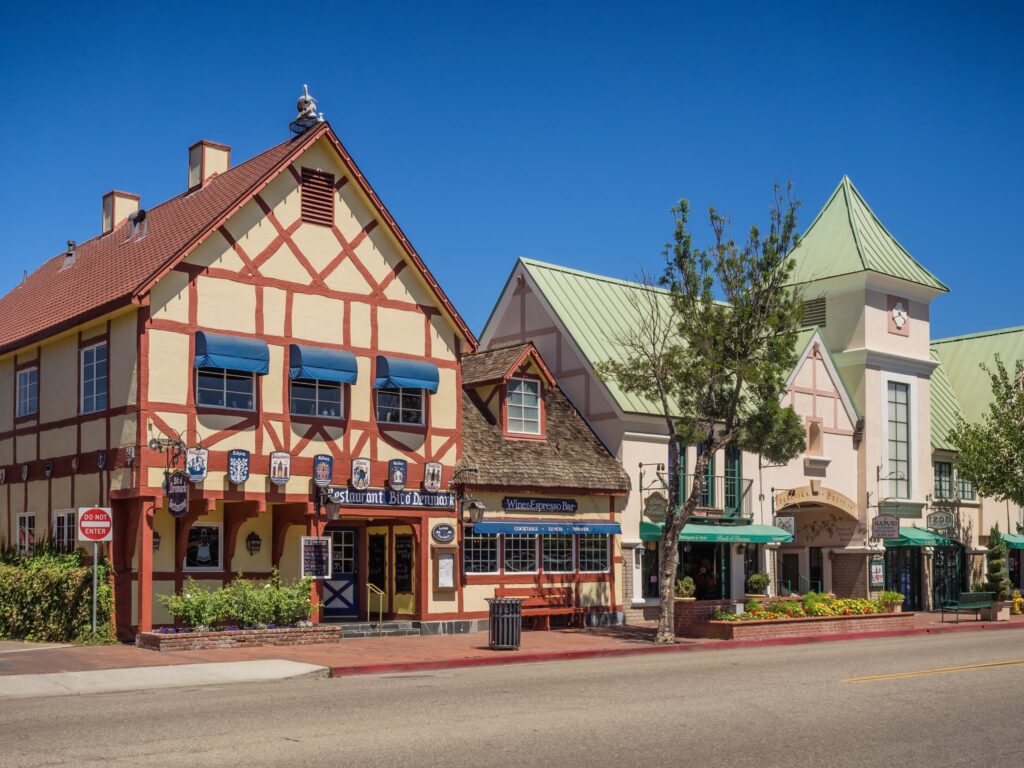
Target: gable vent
x,y
814,313
317,197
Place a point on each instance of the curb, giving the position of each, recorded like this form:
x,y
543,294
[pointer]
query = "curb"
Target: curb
x,y
501,659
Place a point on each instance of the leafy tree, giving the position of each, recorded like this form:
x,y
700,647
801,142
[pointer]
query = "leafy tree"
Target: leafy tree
x,y
991,454
998,576
716,369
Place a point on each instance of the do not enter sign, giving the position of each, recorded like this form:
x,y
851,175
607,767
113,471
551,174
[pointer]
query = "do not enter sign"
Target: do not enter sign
x,y
95,524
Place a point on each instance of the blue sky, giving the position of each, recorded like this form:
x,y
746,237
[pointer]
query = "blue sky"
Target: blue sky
x,y
559,131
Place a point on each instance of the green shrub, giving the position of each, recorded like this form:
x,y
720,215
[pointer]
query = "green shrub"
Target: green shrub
x,y
685,587
757,583
891,597
998,577
242,603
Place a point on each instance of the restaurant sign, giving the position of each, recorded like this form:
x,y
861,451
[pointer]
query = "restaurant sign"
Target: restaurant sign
x,y
885,527
384,497
525,504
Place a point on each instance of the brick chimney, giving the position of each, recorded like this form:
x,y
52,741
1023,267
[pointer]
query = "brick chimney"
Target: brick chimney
x,y
205,160
118,206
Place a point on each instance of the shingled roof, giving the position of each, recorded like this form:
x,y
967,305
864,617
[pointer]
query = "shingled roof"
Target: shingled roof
x,y
571,458
500,363
112,270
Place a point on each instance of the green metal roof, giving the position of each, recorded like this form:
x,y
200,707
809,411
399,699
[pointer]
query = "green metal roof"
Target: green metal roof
x,y
918,537
736,534
846,238
945,406
962,357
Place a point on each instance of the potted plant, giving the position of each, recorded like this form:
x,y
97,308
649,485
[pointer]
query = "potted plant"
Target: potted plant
x,y
685,588
998,578
757,584
892,601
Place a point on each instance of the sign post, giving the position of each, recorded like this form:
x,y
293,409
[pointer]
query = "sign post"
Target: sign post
x,y
95,524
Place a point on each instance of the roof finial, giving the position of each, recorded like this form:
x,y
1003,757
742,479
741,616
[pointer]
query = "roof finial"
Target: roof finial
x,y
307,116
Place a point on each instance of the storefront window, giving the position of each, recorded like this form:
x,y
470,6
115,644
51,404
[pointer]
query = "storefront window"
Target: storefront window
x,y
558,554
203,550
943,479
593,553
218,388
26,534
480,552
316,398
751,561
649,570
64,531
520,553
400,406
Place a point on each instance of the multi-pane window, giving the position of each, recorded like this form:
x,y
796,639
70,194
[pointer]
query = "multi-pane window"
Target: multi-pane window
x,y
480,552
28,392
594,556
316,398
399,406
733,479
943,471
520,553
966,488
26,534
524,406
64,533
899,440
218,388
94,378
707,495
557,553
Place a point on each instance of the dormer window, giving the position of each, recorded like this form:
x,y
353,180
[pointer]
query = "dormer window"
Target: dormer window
x,y
524,404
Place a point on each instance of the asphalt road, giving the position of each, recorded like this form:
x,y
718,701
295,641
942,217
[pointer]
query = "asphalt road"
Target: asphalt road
x,y
782,706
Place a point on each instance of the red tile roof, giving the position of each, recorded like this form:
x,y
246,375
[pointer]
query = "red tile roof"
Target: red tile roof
x,y
109,271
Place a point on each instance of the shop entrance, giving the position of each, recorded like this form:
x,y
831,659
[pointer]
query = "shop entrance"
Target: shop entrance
x,y
903,574
948,576
708,565
341,591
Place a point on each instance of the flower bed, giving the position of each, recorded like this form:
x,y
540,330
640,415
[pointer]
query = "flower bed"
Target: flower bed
x,y
181,640
768,629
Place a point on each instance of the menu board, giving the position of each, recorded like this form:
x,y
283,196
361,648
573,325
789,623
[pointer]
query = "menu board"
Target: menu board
x,y
316,557
377,561
445,570
403,564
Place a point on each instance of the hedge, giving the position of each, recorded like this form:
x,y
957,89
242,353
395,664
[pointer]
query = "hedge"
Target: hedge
x,y
242,603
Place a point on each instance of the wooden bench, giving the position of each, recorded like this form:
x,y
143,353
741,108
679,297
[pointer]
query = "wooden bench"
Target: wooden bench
x,y
968,602
540,603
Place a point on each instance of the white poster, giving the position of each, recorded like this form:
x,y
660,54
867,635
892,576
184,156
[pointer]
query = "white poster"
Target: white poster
x,y
445,570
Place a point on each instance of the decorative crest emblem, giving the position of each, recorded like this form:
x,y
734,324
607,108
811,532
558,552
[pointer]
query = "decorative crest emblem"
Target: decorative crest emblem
x,y
432,476
196,462
101,460
280,467
48,468
398,472
323,470
177,493
238,466
3,475
24,472
360,474
75,461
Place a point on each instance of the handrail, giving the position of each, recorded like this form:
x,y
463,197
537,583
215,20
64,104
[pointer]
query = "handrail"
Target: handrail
x,y
722,496
373,589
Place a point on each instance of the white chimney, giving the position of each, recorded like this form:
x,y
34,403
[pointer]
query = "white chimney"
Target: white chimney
x,y
118,206
205,160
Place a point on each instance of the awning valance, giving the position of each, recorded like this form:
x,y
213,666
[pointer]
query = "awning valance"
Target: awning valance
x,y
233,353
918,537
547,526
322,364
406,374
732,534
1013,541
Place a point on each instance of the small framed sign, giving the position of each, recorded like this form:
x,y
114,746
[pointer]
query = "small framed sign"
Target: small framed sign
x,y
316,557
885,527
877,570
444,570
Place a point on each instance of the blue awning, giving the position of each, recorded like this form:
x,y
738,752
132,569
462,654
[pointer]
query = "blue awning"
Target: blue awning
x,y
322,364
233,353
546,526
407,374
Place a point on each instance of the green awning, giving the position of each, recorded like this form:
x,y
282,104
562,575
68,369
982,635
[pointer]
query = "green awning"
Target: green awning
x,y
735,534
1013,541
918,537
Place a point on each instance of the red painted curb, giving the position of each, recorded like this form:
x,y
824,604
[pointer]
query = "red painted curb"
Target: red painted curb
x,y
502,658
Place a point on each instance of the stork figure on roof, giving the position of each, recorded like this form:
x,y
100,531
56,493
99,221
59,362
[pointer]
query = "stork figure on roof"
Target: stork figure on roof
x,y
308,116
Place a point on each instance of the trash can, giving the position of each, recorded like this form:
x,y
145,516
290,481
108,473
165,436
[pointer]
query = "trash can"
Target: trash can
x,y
506,623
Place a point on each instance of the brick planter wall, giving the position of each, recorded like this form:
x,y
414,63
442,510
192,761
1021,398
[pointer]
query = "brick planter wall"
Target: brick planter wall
x,y
802,627
237,638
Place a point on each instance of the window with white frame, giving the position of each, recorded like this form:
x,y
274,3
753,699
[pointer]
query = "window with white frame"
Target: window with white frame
x,y
64,531
316,398
943,471
593,557
25,536
28,392
899,440
520,553
399,406
557,553
524,406
94,378
203,549
480,552
218,388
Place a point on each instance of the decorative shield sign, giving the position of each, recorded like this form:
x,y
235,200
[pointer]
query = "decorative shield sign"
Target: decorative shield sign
x,y
238,466
101,459
398,471
940,520
885,527
24,472
196,462
323,470
177,493
3,475
655,506
360,474
786,523
432,476
280,467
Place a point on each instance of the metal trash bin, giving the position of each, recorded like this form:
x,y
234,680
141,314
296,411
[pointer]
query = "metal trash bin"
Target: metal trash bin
x,y
506,623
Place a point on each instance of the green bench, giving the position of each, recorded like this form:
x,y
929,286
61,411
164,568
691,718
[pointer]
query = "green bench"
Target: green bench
x,y
968,602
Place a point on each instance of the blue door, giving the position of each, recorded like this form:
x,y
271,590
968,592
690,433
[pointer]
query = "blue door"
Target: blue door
x,y
341,591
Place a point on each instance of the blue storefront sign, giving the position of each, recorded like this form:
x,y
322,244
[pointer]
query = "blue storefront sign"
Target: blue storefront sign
x,y
383,497
549,527
323,470
526,504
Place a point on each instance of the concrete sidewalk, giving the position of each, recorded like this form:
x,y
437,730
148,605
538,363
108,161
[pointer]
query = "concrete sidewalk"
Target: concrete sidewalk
x,y
62,669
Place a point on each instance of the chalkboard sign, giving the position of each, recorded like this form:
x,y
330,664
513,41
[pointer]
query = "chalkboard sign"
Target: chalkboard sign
x,y
316,557
403,564
377,561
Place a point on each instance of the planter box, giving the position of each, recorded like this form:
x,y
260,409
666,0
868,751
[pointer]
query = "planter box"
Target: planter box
x,y
237,638
801,627
1000,611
